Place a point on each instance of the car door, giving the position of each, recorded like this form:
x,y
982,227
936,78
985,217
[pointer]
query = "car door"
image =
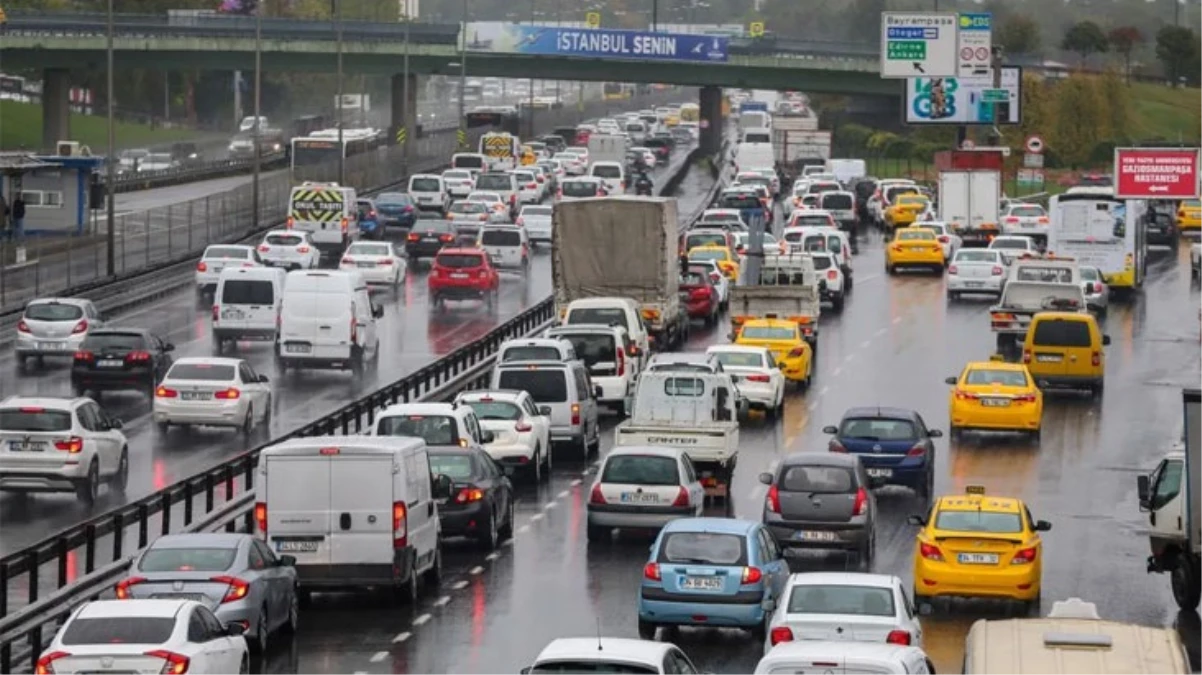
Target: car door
x,y
495,475
692,484
423,517
772,562
540,422
278,580
107,448
363,316
226,655
584,392
259,391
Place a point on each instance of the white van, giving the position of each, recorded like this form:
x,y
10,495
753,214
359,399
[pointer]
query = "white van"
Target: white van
x,y
565,388
327,321
613,174
637,131
328,212
757,136
469,161
507,245
246,305
429,192
613,311
353,511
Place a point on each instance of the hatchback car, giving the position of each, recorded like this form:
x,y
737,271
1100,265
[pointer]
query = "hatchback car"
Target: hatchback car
x,y
712,572
521,430
1013,247
459,182
55,327
463,274
428,237
289,249
893,443
212,391
481,503
643,488
610,655
498,208
370,226
1097,293
846,606
239,576
217,258
116,359
378,262
396,209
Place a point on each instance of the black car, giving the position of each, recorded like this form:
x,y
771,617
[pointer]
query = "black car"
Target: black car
x,y
1162,229
120,359
428,236
863,188
661,148
481,503
553,142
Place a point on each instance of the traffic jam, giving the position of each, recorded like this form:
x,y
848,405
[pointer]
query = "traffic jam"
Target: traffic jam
x,y
836,422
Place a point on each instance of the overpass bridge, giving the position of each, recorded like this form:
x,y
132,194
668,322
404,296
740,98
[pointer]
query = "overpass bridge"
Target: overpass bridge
x,y
59,43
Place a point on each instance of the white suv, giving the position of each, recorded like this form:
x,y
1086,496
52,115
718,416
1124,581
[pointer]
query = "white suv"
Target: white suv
x,y
61,445
830,278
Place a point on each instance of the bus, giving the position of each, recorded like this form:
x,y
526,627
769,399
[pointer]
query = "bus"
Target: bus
x,y
1095,228
690,112
505,119
321,147
617,91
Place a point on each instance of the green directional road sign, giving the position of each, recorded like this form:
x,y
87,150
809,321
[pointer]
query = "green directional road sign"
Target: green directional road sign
x,y
907,50
995,96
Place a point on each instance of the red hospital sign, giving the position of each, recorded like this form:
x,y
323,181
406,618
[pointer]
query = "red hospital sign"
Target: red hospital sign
x,y
1156,173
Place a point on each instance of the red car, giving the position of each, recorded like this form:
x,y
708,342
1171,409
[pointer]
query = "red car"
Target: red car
x,y
700,296
463,274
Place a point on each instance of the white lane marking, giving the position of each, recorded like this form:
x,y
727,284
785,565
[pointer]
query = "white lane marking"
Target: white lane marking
x,y
421,620
865,344
442,601
378,657
475,570
401,637
459,585
563,494
524,528
868,277
509,542
492,556
822,391
837,370
813,405
585,472
548,505
880,331
576,481
536,517
897,320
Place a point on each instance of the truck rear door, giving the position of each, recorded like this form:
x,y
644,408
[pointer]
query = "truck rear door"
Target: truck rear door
x,y
361,506
298,507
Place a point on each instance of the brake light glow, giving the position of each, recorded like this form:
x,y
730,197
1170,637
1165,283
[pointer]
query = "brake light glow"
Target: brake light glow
x,y
523,426
780,634
237,590
412,237
44,665
596,496
122,589
400,522
80,327
651,572
861,503
943,239
445,237
930,551
73,445
773,499
1024,556
302,249
176,664
261,517
230,394
1011,220
164,392
469,495
752,575
202,266
620,359
264,248
83,356
952,269
832,275
1026,398
836,446
758,378
139,356
898,637
22,327
575,414
996,271
918,450
962,395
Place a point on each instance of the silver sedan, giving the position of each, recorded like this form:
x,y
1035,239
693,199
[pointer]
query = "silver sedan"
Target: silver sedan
x,y
1097,293
237,576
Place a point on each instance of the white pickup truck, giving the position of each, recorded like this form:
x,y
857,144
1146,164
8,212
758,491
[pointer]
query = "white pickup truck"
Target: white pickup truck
x,y
1022,300
696,411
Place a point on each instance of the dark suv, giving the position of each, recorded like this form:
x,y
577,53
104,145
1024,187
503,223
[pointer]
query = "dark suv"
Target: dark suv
x,y
120,359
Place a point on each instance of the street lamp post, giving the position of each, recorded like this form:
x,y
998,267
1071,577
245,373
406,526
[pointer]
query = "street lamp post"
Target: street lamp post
x,y
405,121
258,131
463,68
654,16
110,165
338,108
530,108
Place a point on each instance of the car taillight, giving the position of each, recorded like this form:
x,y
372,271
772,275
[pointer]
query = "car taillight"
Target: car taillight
x,y
898,637
930,551
1026,356
202,266
386,262
345,223
531,186
412,237
836,446
1026,398
1025,556
716,278
772,501
918,450
237,590
596,496
175,664
73,445
164,392
264,248
513,200
81,327
445,237
22,327
122,589
83,356
997,271
832,275
962,395
952,269
45,663
228,395
943,239
620,359
1096,358
302,249
559,193
699,294
797,352
682,497
758,378
780,634
400,525
261,517
651,572
575,414
523,426
1042,220
469,495
861,503
139,356
521,221
347,261
1010,220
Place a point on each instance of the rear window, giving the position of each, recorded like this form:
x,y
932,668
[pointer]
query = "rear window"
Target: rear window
x,y
1061,333
456,175
598,315
459,260
702,548
454,465
432,225
878,429
493,237
434,429
53,311
1027,211
425,185
1061,275
810,221
694,240
592,667
537,211
1090,274
721,218
370,249
579,188
469,207
975,256
494,182
469,162
819,188
1013,244
709,254
768,333
113,342
543,385
641,470
694,279
607,171
112,630
495,410
838,202
532,353
861,600
34,419
393,199
1005,378
979,521
820,479
741,202
201,371
227,252
247,292
285,239
187,559
740,359
823,262
593,348
757,138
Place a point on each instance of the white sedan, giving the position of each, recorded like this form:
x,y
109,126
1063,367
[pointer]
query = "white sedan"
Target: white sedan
x,y
290,249
571,163
756,375
521,431
869,607
212,391
537,221
145,636
377,261
217,258
500,209
976,270
948,240
459,182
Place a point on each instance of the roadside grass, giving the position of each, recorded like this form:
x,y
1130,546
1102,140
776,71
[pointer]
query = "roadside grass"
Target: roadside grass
x,y
21,129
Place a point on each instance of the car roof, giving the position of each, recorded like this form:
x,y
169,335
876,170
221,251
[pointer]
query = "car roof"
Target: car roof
x,y
499,394
501,226
461,251
238,246
606,649
996,365
881,412
653,450
568,329
118,330
47,402
209,360
990,503
447,409
76,302
840,649
842,579
716,525
162,609
200,540
821,459
735,348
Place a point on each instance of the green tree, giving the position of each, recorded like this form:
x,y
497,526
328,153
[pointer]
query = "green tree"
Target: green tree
x,y
1177,49
1084,39
1018,34
1117,112
1078,122
1038,106
1125,39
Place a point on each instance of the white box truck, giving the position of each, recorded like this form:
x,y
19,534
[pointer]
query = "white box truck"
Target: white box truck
x,y
797,143
607,148
970,202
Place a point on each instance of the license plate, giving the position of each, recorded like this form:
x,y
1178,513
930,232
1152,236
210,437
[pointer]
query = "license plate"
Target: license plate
x,y
639,498
458,275
50,346
367,264
808,535
977,558
880,473
974,284
296,546
701,583
233,314
297,349
1048,358
995,402
26,446
194,395
110,363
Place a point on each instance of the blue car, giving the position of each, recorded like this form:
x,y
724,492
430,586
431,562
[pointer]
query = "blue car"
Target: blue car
x,y
894,444
396,209
370,226
712,572
748,203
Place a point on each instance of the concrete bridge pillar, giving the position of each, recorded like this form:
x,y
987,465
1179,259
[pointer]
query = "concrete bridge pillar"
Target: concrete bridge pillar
x,y
404,113
56,107
710,141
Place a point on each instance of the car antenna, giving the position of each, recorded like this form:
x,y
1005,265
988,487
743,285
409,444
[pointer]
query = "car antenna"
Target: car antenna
x,y
599,647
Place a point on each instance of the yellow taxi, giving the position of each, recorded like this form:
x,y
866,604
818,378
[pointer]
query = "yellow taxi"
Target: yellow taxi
x,y
672,119
978,546
1189,215
528,156
995,396
1066,350
727,262
914,247
785,339
905,209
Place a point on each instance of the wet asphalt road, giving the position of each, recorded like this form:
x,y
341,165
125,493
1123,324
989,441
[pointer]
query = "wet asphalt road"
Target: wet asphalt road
x,y
896,341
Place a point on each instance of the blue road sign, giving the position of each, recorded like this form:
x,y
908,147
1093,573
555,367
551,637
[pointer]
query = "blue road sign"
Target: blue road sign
x,y
913,33
612,44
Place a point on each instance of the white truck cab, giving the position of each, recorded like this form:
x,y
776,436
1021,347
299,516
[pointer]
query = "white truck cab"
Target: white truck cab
x,y
329,212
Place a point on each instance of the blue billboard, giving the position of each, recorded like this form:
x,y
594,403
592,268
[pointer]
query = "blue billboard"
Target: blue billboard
x,y
604,44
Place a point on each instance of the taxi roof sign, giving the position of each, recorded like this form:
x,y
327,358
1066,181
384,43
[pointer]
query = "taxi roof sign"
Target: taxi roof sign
x,y
974,490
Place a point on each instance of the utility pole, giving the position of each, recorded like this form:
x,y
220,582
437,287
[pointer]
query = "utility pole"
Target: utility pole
x,y
463,71
530,105
110,165
258,131
338,110
995,135
405,121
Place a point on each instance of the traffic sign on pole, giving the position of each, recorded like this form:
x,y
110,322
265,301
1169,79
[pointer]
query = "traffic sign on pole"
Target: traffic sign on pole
x,y
756,29
592,19
995,95
975,45
918,45
1034,144
1156,173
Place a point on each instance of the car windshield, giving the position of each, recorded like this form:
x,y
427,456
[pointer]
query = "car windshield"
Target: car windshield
x,y
425,185
607,171
167,559
370,249
585,667
434,429
34,419
768,333
285,239
524,177
248,292
469,207
495,182
459,260
532,353
694,240
110,342
579,188
500,237
641,470
209,372
976,256
991,376
708,254
158,158
702,548
741,202
545,385
537,211
393,199
605,316
454,465
976,520
234,252
740,359
878,429
1027,211
495,410
819,479
836,599
1010,244
819,188
119,630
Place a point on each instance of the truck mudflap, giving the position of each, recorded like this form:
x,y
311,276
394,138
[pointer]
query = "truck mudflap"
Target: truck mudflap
x,y
716,476
978,237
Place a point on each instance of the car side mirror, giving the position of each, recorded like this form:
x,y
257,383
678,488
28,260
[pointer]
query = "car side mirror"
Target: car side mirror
x,y
442,486
1105,340
264,379
115,423
544,410
766,478
916,520
169,347
1143,489
377,311
934,433
1042,526
487,437
830,429
235,629
598,392
950,380
286,561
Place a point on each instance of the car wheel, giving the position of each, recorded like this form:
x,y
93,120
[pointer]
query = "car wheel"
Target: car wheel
x,y
293,624
923,603
120,479
506,530
759,632
164,427
248,423
262,634
1031,607
837,304
433,576
490,537
953,296
938,269
647,630
244,668
597,534
1096,390
955,433
357,366
88,489
890,270
538,465
1034,435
